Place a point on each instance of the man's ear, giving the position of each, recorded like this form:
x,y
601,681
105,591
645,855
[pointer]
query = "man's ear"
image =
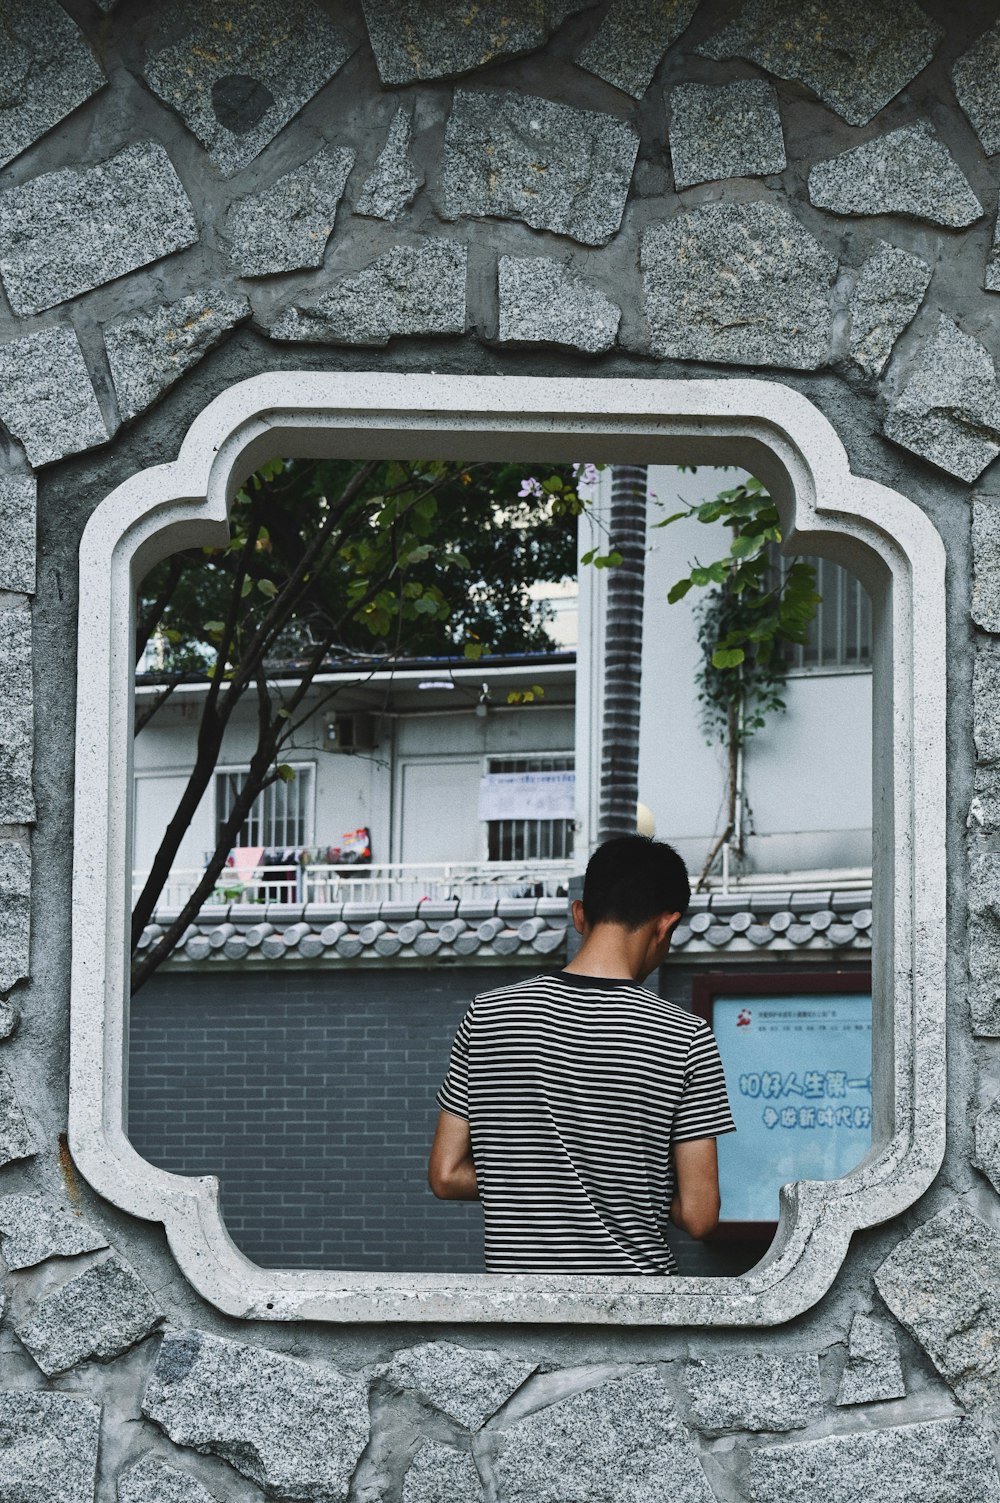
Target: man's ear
x,y
579,919
665,924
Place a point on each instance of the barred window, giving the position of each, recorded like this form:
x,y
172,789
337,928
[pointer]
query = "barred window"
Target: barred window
x,y
840,634
530,839
281,817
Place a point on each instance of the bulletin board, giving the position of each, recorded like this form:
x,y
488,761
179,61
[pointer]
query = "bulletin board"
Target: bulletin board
x,y
796,1050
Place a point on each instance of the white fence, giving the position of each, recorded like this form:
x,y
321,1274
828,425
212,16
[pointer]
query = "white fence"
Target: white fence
x,y
404,882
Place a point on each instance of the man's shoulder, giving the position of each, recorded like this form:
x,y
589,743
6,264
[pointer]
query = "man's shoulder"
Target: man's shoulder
x,y
527,987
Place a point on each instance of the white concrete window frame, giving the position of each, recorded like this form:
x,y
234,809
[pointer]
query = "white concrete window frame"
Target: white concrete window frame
x,y
879,534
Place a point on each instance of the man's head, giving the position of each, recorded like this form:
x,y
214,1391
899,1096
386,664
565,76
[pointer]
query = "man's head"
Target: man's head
x,y
639,887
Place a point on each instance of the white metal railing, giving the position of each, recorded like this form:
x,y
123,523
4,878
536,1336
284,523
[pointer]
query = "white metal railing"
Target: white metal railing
x,y
390,881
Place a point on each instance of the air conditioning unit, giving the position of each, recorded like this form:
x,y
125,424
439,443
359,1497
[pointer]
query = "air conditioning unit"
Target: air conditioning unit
x,y
352,731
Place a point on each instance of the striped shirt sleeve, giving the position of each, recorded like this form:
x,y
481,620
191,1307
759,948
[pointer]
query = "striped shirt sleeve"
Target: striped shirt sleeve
x,y
454,1093
703,1111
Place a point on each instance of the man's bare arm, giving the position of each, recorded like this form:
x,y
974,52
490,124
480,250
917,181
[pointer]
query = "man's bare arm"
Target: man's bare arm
x,y
451,1173
695,1206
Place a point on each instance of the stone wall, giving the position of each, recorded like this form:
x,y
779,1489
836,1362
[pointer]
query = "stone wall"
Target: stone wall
x,y
193,194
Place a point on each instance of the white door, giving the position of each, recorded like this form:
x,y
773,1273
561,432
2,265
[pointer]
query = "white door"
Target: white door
x,y
155,803
440,811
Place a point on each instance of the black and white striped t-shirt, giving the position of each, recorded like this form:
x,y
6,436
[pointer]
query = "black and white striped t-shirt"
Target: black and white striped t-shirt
x,y
575,1088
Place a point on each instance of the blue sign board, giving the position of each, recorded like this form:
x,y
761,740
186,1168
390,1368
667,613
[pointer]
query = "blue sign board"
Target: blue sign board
x,y
799,1073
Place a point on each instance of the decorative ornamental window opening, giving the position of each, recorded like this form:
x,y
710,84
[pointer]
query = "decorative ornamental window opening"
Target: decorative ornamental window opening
x,y
769,429
530,839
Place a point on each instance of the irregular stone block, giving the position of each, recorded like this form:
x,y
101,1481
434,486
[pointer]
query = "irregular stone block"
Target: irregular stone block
x,y
17,528
287,225
393,183
985,607
10,1017
943,1284
984,936
515,156
409,290
627,47
96,1315
442,38
17,803
889,290
468,1383
295,1430
739,283
728,130
987,1152
238,70
873,1371
753,1392
541,301
16,1141
55,239
909,171
15,914
36,1227
48,1447
949,410
154,1481
437,1474
150,350
47,69
986,701
976,76
923,1463
984,811
854,60
620,1441
46,398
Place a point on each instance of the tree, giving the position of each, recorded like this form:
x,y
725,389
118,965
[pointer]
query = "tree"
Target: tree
x,y
623,652
342,559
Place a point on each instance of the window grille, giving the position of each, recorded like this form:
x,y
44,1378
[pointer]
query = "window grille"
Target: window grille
x,y
530,839
279,818
840,634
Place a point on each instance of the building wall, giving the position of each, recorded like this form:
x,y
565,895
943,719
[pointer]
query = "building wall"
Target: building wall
x,y
112,344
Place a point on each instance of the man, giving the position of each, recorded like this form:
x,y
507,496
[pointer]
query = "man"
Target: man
x,y
580,1107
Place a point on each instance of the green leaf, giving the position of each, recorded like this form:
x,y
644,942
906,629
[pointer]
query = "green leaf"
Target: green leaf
x,y
246,587
679,590
267,587
286,773
214,627
744,545
727,657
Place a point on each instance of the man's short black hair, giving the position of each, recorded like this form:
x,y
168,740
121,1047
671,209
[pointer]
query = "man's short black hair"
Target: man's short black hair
x,y
632,879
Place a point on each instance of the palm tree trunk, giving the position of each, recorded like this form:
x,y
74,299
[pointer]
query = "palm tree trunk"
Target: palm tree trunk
x,y
623,654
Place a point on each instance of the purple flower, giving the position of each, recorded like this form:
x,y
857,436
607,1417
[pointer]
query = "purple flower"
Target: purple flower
x,y
532,487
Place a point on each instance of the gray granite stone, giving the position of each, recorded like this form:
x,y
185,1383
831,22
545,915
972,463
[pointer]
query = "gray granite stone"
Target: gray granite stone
x,y
150,350
991,276
294,1429
48,1447
541,301
15,913
16,1141
984,899
94,1316
724,130
987,1150
46,398
627,47
237,71
68,231
976,76
984,810
910,171
409,290
36,1227
10,1017
393,182
854,59
152,1480
417,39
516,156
438,1474
985,606
873,1371
949,410
943,1284
888,292
47,69
17,803
753,1392
617,1443
986,701
933,1462
286,225
468,1383
17,529
739,283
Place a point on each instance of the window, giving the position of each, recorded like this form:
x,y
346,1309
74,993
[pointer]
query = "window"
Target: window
x,y
530,839
840,634
280,818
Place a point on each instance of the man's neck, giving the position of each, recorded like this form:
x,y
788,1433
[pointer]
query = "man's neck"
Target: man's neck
x,y
610,953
